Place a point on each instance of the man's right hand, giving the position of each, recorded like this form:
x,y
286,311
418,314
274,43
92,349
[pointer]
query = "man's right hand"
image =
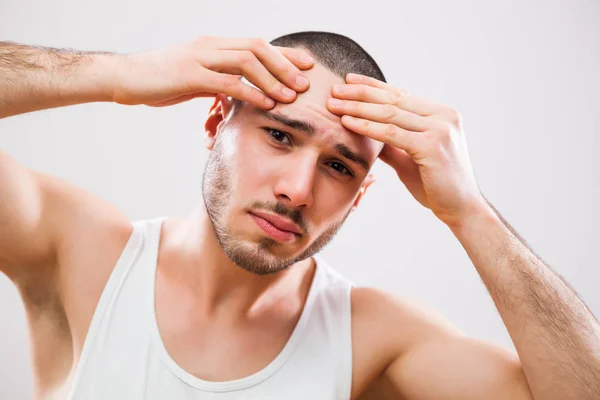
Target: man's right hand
x,y
207,66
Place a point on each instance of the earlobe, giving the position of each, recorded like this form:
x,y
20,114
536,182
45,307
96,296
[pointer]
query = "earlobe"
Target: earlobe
x,y
363,189
209,140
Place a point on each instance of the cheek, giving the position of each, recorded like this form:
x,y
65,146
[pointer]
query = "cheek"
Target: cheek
x,y
330,210
331,202
253,169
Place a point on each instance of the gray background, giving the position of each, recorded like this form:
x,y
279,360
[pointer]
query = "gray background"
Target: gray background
x,y
524,74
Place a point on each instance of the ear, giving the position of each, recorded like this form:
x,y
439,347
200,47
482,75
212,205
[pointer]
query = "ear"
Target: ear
x,y
217,115
363,189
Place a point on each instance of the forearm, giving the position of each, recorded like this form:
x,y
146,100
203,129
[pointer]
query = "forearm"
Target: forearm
x,y
555,334
35,78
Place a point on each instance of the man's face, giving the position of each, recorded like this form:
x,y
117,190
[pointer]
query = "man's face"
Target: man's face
x,y
308,173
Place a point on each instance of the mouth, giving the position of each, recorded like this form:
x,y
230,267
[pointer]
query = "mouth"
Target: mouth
x,y
276,227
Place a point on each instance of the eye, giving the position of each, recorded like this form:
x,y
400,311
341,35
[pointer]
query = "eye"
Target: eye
x,y
341,168
278,136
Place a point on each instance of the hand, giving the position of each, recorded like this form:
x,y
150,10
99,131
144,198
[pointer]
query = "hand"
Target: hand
x,y
208,66
424,143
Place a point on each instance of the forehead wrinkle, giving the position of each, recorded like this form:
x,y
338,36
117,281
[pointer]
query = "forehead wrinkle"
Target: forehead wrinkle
x,y
334,135
310,108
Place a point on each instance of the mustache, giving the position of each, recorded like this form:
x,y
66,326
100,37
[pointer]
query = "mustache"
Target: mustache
x,y
282,210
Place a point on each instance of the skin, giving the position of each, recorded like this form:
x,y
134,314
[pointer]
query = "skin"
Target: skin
x,y
305,178
59,243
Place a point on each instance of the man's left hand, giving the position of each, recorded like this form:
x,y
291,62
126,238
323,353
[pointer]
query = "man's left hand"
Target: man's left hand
x,y
424,143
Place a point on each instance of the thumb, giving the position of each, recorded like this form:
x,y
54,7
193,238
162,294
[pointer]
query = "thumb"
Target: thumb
x,y
407,170
400,160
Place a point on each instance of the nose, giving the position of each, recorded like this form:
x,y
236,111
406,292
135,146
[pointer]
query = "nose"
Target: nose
x,y
295,183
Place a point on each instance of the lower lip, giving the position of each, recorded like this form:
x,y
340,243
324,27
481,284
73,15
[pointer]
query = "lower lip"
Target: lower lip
x,y
273,231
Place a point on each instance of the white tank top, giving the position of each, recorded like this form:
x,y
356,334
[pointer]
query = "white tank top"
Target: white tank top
x,y
124,357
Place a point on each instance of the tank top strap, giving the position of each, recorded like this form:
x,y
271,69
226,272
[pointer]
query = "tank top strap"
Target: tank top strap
x,y
108,298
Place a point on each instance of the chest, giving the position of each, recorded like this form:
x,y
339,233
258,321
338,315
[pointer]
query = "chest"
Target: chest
x,y
216,349
215,346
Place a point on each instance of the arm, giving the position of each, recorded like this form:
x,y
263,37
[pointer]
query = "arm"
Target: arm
x,y
36,78
425,357
555,334
35,209
47,225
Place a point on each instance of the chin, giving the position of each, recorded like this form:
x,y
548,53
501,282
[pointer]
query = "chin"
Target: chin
x,y
258,257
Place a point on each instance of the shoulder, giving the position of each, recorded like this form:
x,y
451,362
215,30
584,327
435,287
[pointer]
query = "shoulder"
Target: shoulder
x,y
407,319
410,345
385,326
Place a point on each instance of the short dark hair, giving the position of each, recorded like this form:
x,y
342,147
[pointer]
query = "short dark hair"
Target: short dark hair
x,y
338,53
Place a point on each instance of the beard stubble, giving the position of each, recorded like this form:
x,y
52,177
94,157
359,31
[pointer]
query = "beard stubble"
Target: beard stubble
x,y
256,258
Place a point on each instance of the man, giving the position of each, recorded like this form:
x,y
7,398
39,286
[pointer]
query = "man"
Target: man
x,y
232,302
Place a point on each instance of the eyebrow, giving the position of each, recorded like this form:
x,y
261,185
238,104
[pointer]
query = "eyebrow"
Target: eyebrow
x,y
309,130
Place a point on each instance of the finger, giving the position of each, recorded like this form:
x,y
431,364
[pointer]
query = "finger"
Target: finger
x,y
372,94
180,99
231,85
245,63
416,104
299,57
386,133
385,113
174,101
398,159
274,60
407,170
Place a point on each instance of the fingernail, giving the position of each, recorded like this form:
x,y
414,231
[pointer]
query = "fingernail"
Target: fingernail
x,y
335,102
268,102
305,58
301,81
339,88
287,92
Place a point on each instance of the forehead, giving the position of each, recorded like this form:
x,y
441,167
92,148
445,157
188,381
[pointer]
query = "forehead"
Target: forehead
x,y
312,103
310,106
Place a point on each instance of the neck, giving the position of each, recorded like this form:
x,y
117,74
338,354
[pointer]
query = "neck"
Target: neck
x,y
190,255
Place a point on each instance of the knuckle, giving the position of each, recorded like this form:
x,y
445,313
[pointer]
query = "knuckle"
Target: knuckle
x,y
288,69
444,133
455,117
402,93
389,112
394,97
229,81
361,91
259,43
389,131
247,57
364,124
270,83
253,94
446,130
